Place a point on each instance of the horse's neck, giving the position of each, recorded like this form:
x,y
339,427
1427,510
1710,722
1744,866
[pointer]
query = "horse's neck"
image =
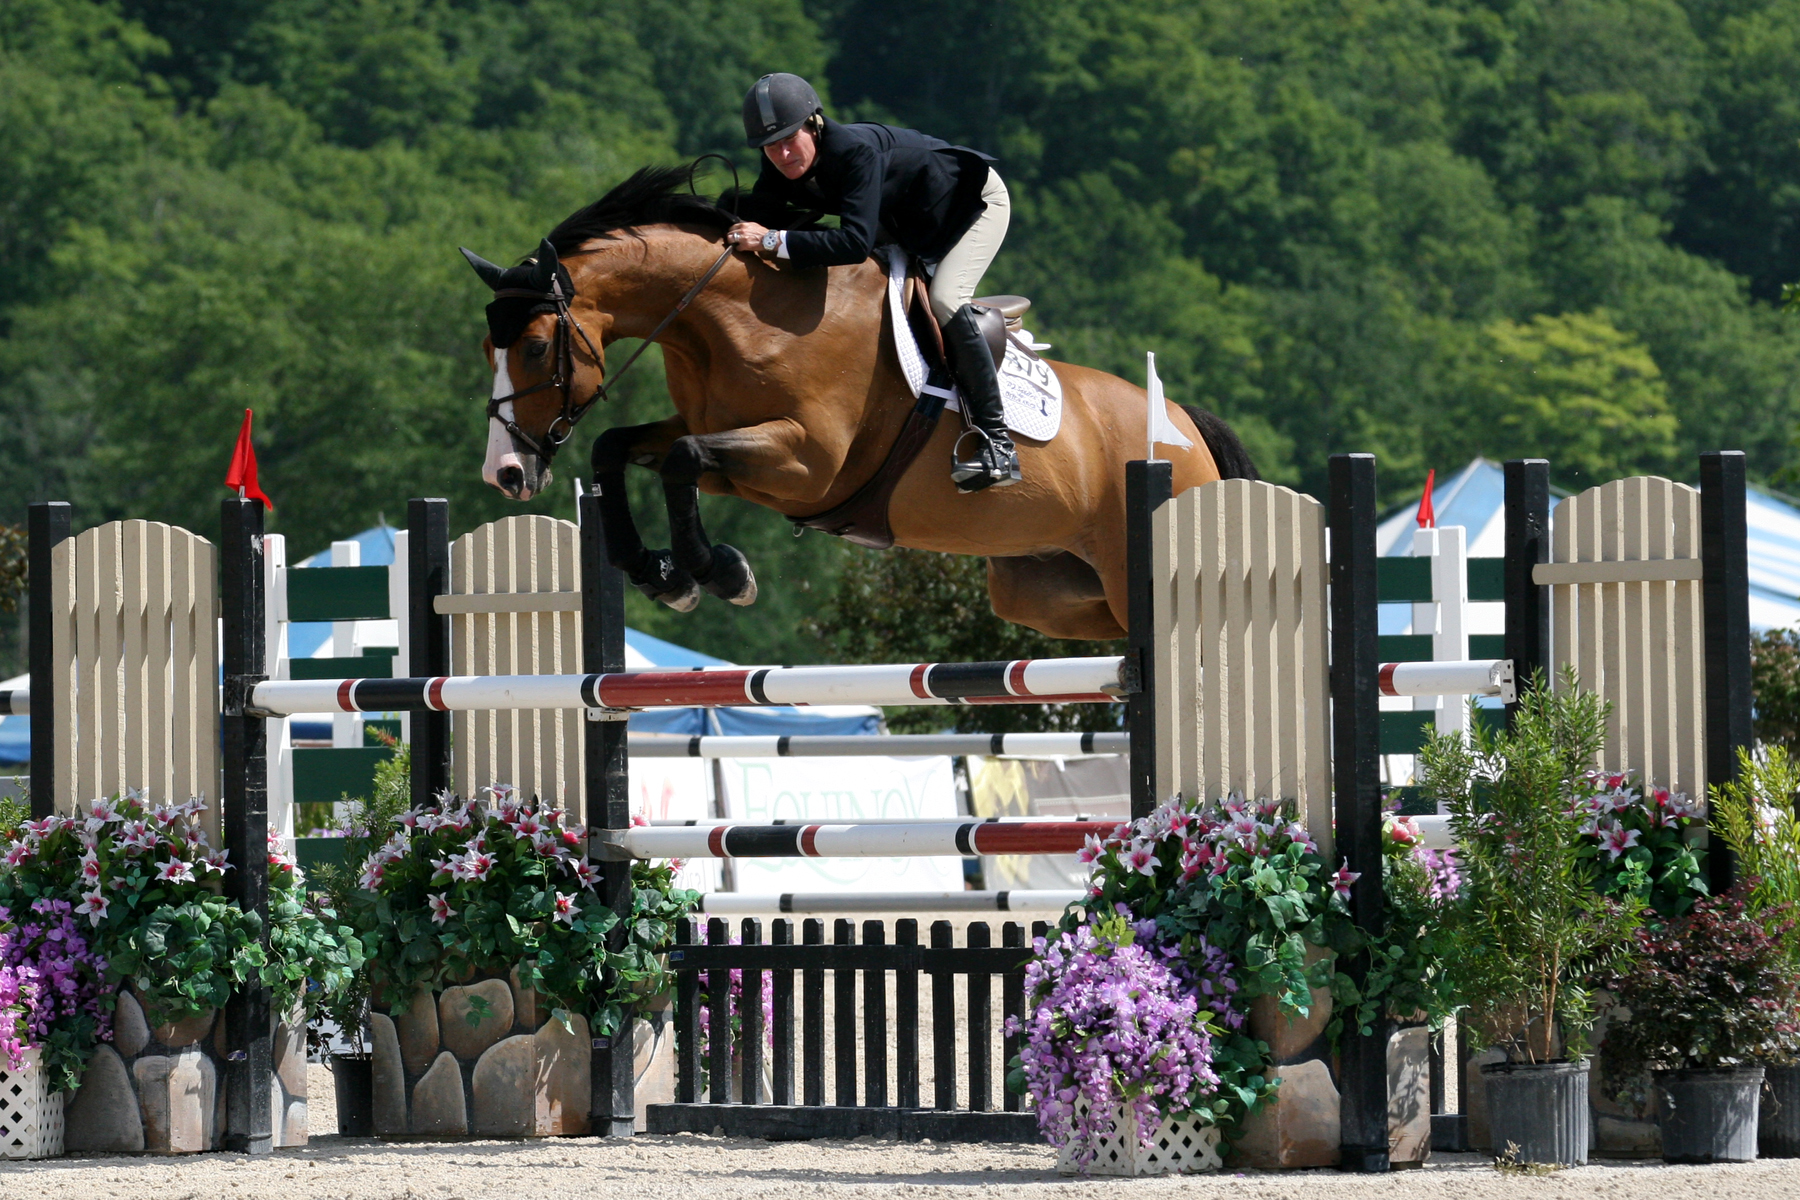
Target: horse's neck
x,y
774,323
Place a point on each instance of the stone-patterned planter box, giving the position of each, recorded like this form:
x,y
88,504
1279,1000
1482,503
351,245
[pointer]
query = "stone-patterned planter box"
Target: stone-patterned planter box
x,y
1301,1128
159,1089
482,1059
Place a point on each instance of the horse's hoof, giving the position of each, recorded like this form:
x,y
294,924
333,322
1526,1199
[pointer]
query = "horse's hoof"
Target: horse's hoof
x,y
663,581
730,578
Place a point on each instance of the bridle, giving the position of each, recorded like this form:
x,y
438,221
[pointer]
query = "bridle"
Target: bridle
x,y
563,375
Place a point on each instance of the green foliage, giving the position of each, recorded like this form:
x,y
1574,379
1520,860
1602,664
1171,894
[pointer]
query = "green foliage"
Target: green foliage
x,y
916,606
1407,977
1331,218
459,889
13,579
1775,686
1710,990
1533,927
1754,814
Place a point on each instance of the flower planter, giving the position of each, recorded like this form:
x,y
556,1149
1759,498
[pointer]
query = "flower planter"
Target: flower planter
x,y
31,1115
1709,1115
1539,1108
353,1081
1179,1146
1778,1118
481,1059
159,1088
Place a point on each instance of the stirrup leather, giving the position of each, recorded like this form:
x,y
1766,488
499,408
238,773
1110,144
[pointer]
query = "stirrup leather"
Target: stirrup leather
x,y
996,463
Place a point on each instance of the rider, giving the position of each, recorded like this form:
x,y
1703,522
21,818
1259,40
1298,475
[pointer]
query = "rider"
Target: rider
x,y
943,204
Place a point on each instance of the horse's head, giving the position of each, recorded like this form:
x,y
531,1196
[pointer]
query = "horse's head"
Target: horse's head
x,y
537,349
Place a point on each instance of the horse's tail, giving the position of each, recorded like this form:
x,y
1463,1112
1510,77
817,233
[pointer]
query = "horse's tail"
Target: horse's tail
x,y
1228,451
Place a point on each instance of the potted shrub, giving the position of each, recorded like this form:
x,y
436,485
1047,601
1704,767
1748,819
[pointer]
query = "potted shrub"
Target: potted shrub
x,y
1532,925
143,883
1236,895
1709,1000
1118,1052
490,971
342,1017
53,1006
1755,817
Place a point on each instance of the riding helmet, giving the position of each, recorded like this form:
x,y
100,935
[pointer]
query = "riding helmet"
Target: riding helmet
x,y
776,106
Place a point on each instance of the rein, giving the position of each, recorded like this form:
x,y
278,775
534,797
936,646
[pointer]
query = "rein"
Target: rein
x,y
563,427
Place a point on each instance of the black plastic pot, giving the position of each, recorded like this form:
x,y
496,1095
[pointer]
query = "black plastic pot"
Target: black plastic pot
x,y
354,1079
1708,1115
1540,1108
1778,1121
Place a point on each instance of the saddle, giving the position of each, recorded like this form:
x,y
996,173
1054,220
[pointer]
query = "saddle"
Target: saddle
x,y
863,518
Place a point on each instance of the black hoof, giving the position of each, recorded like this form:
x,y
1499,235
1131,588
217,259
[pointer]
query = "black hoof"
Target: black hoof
x,y
661,580
730,578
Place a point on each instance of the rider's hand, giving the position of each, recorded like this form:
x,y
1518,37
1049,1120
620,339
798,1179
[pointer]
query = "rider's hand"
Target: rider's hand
x,y
746,236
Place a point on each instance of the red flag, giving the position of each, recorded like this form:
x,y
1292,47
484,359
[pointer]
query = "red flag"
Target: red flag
x,y
1427,515
242,475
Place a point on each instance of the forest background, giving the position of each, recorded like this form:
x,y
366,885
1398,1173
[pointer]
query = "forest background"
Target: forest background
x,y
1429,229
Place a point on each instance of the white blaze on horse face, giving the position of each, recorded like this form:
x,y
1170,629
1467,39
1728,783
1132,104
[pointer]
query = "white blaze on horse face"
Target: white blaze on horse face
x,y
500,450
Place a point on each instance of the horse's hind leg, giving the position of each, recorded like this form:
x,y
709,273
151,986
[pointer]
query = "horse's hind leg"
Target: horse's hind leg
x,y
1061,596
652,572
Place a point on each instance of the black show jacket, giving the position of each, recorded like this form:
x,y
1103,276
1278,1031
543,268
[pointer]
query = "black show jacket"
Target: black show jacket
x,y
924,192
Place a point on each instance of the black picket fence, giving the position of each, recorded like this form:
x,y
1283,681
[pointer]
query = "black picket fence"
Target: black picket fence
x,y
729,1090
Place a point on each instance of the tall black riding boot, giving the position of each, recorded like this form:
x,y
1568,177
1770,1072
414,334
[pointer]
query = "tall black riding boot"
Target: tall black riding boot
x,y
996,462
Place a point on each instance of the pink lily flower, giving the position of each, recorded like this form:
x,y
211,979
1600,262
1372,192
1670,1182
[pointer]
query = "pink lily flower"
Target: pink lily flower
x,y
440,908
566,912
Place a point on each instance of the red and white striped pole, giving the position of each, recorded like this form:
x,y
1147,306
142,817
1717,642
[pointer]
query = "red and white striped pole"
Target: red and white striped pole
x,y
1023,681
920,839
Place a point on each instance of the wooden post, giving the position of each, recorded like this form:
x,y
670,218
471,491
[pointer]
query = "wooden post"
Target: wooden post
x,y
614,1098
1725,588
1356,748
1147,486
47,526
428,639
1527,544
245,816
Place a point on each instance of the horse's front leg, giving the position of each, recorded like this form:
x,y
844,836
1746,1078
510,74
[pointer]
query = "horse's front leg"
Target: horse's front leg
x,y
761,455
652,572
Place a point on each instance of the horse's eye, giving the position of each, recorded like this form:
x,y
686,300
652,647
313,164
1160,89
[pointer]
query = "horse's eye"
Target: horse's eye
x,y
536,350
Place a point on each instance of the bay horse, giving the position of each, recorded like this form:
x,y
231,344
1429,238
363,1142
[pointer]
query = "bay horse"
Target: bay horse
x,y
789,393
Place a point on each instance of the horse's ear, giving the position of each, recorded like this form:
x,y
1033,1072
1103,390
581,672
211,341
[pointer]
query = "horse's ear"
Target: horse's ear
x,y
490,274
543,267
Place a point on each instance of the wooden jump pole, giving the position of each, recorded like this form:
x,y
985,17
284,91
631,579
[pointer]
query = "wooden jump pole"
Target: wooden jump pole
x,y
1356,782
249,1049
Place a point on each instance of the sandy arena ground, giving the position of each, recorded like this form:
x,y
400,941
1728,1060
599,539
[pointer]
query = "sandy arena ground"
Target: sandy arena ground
x,y
690,1167
705,1168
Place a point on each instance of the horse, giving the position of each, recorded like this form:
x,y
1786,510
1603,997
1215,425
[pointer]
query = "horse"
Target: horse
x,y
789,393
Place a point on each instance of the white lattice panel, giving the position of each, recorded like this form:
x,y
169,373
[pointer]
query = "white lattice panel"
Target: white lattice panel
x,y
31,1115
1179,1146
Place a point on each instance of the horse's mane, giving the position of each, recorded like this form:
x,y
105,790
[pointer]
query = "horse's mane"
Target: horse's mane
x,y
649,197
660,196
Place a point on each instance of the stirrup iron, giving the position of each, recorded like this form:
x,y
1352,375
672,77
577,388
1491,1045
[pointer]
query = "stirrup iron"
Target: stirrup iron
x,y
996,463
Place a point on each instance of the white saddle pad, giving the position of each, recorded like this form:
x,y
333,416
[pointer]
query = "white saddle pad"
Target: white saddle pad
x,y
1030,392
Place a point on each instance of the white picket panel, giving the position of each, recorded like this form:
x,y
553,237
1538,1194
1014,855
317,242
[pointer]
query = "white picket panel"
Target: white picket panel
x,y
1241,633
1634,632
537,751
136,645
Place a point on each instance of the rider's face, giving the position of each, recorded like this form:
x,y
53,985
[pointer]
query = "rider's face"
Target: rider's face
x,y
794,154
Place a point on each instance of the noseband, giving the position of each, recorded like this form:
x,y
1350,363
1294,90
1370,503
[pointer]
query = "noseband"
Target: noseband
x,y
563,375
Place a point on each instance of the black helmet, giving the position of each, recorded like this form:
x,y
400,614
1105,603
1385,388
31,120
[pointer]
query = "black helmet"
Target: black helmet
x,y
776,106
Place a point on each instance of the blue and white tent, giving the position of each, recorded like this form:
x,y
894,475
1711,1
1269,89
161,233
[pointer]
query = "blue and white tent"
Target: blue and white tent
x,y
1475,498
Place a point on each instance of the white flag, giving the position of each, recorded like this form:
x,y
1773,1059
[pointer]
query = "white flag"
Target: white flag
x,y
1160,428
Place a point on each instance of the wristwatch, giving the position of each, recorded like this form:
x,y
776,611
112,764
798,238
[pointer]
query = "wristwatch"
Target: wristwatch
x,y
771,241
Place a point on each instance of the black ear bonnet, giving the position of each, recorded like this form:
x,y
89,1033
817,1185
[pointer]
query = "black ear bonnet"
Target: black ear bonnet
x,y
507,316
